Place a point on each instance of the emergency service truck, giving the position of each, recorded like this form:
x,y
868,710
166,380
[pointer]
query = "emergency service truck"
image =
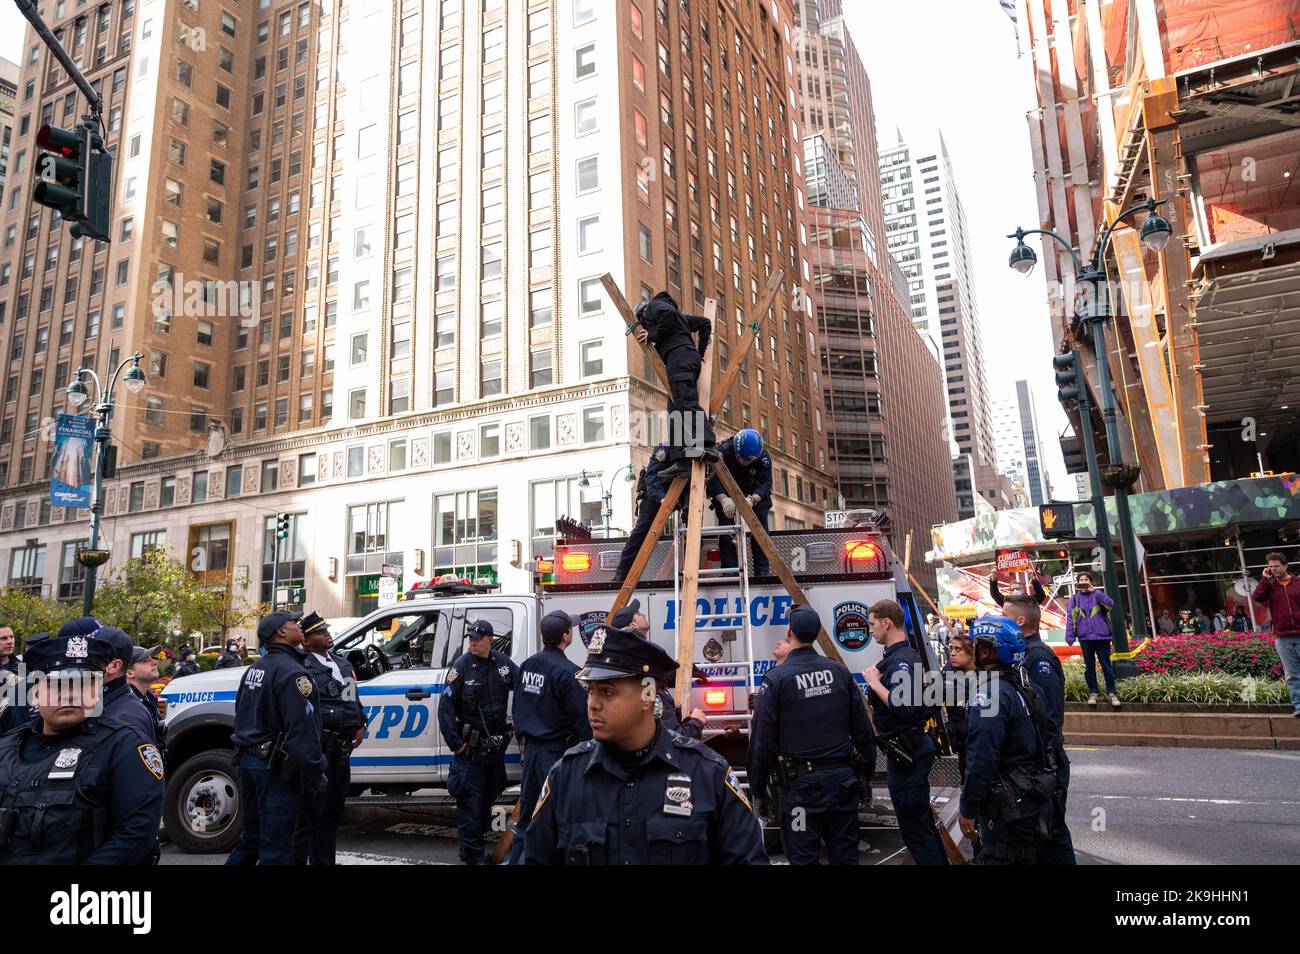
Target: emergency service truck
x,y
401,653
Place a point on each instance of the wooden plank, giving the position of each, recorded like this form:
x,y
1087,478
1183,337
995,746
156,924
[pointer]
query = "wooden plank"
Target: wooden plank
x,y
620,304
690,586
648,546
718,398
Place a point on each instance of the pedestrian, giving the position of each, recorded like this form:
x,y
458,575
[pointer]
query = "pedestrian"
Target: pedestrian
x,y
1203,623
1043,668
1036,589
277,742
1279,591
1086,620
1165,625
1220,621
809,720
751,467
631,618
187,664
900,718
16,707
961,665
141,674
76,788
1186,623
636,793
550,713
1010,780
343,725
230,657
9,659
1240,621
673,335
473,716
650,493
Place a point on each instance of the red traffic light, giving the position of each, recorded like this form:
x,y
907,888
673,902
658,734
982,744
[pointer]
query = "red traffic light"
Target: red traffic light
x,y
62,141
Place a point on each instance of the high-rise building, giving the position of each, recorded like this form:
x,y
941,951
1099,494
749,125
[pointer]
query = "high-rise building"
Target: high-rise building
x,y
883,386
8,96
927,233
359,248
1019,449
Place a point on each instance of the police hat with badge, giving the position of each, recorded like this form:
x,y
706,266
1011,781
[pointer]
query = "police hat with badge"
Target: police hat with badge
x,y
313,622
625,654
76,652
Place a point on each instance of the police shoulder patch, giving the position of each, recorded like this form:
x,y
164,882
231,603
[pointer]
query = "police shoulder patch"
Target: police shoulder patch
x,y
1044,667
452,674
152,760
303,683
980,701
733,783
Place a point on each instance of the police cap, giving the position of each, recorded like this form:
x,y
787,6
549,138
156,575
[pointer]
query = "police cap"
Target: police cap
x,y
83,653
480,627
81,626
141,653
313,621
623,618
554,625
270,624
624,654
805,623
123,648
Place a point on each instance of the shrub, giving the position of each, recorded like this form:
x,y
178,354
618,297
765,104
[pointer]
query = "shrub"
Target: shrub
x,y
1194,688
1235,654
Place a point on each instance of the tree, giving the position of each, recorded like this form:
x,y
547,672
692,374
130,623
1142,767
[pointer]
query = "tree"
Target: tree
x,y
150,597
218,609
28,614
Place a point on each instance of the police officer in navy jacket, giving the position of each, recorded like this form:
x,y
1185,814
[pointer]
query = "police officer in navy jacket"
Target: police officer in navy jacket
x,y
635,793
75,788
751,466
474,714
550,713
810,714
277,738
650,492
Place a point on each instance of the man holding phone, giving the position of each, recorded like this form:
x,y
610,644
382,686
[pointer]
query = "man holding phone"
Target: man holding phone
x,y
1279,592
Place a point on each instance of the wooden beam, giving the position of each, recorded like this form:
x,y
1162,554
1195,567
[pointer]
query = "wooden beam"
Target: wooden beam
x,y
647,546
690,586
774,283
620,304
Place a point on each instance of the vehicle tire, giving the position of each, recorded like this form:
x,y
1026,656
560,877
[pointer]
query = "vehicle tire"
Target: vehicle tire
x,y
201,810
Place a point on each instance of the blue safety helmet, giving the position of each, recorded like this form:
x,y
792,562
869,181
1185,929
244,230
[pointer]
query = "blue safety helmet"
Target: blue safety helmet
x,y
749,444
1004,635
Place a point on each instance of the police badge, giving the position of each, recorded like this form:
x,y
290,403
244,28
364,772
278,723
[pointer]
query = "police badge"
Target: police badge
x,y
677,795
304,686
67,758
504,671
78,647
597,644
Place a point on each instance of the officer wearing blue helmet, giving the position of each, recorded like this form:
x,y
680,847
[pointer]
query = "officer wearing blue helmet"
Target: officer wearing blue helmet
x,y
751,466
76,787
473,715
1010,781
809,720
638,793
550,713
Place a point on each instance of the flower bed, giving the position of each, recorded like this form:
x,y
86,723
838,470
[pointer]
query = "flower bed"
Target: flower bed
x,y
1233,654
1195,688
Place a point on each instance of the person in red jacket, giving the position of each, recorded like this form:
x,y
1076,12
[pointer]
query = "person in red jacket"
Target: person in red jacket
x,y
1281,593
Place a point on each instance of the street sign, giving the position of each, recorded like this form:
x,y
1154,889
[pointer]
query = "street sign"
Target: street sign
x,y
836,519
387,591
281,595
391,569
1057,520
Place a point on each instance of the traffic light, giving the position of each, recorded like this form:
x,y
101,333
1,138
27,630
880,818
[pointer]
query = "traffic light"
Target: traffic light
x,y
282,526
76,176
1068,382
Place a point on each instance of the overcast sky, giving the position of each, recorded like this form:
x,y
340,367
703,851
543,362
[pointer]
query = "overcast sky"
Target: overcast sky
x,y
947,65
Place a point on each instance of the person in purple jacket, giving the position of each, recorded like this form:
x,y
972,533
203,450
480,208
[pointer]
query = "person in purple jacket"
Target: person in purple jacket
x,y
1086,620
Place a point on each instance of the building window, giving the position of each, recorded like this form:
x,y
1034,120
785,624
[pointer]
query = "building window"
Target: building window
x,y
593,425
306,470
490,379
539,432
489,441
234,481
592,354
27,568
356,404
142,544
540,368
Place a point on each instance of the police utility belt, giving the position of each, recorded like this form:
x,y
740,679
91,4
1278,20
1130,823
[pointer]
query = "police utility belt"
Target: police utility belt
x,y
789,768
1021,793
902,747
277,759
332,742
480,744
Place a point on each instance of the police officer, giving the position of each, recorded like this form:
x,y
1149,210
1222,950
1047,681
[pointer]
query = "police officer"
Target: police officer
x,y
637,794
667,711
751,466
899,719
809,719
186,663
140,675
673,335
650,493
1043,668
9,660
1010,782
550,712
473,717
76,789
343,724
231,657
16,707
121,703
277,739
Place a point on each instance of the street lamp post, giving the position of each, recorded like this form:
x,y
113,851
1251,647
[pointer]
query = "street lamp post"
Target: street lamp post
x,y
607,493
93,556
1155,233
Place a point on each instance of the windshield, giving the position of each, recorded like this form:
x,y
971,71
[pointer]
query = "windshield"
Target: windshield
x,y
401,635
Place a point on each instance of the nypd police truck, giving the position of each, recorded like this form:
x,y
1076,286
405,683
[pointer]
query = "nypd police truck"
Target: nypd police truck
x,y
401,653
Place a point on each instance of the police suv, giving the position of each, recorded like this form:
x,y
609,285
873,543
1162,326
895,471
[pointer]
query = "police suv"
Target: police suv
x,y
401,654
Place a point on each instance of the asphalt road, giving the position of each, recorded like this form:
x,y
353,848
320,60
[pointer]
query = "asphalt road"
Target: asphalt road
x,y
1127,806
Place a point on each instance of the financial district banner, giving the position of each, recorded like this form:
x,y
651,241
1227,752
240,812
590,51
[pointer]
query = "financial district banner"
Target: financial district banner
x,y
74,441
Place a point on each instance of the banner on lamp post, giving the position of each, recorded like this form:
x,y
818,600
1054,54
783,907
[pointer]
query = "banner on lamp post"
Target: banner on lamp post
x,y
70,465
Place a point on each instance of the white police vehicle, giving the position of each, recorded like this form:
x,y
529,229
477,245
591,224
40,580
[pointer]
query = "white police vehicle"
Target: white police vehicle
x,y
401,654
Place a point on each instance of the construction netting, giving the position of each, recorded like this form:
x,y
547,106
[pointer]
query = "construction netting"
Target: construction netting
x,y
1251,188
1201,32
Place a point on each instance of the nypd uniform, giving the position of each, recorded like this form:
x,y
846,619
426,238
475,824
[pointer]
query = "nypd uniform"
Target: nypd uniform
x,y
17,709
91,794
550,712
474,714
651,491
1045,671
277,737
121,702
673,336
341,714
811,714
900,728
673,802
752,478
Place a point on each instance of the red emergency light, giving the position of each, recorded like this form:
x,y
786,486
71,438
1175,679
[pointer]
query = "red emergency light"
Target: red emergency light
x,y
575,562
860,550
545,566
715,697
